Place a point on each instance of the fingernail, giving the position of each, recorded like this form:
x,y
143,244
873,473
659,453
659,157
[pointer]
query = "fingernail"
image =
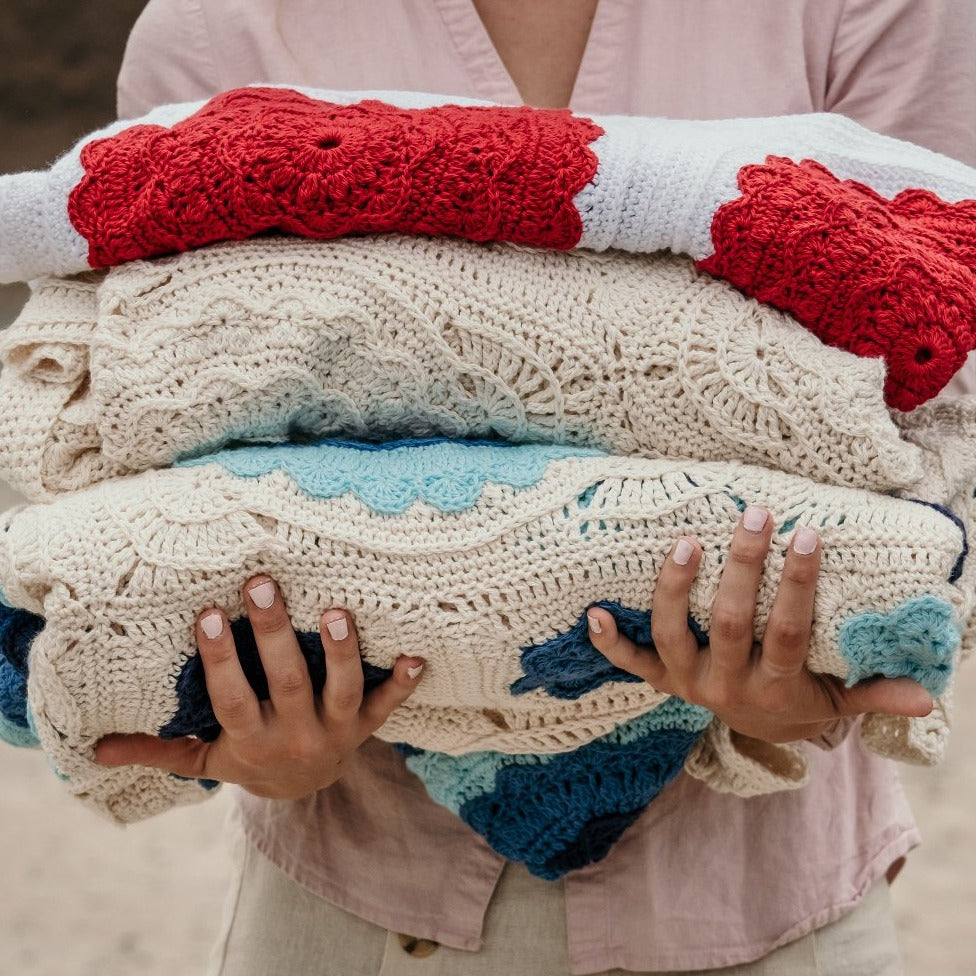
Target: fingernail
x,y
212,625
338,629
805,541
594,624
262,595
414,672
682,552
754,518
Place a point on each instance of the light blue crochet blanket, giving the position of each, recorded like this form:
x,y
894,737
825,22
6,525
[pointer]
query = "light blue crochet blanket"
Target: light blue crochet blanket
x,y
554,812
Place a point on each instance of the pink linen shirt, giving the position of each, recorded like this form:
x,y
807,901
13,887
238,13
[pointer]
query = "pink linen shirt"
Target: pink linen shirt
x,y
703,879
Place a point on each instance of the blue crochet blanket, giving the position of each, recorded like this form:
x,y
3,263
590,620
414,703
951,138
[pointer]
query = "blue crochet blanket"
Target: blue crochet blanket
x,y
553,810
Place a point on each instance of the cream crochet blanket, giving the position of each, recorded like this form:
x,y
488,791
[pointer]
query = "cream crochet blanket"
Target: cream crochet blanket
x,y
481,558
394,336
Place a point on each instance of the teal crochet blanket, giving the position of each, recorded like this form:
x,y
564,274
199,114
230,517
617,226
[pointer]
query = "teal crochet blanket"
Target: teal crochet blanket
x,y
481,556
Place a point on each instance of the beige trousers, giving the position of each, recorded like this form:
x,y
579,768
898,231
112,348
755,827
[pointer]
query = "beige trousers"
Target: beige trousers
x,y
274,926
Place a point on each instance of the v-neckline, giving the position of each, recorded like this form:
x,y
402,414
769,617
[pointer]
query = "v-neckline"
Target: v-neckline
x,y
594,79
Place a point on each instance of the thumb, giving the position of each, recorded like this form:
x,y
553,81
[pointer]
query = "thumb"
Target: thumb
x,y
184,757
890,696
622,652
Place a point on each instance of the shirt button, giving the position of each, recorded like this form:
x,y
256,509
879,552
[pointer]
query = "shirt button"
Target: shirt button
x,y
418,948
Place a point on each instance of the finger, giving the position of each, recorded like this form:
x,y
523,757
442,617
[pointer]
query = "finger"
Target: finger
x,y
235,705
622,652
731,633
289,683
383,699
787,636
343,692
184,757
889,696
673,640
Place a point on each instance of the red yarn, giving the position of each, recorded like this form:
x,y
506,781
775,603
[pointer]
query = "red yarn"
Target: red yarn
x,y
254,160
950,227
890,278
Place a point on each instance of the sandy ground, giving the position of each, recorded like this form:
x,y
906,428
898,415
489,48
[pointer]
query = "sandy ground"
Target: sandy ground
x,y
82,897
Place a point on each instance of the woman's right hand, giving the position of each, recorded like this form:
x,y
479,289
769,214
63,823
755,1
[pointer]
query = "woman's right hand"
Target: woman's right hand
x,y
293,744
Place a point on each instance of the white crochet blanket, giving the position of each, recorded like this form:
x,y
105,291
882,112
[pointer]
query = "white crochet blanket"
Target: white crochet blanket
x,y
395,336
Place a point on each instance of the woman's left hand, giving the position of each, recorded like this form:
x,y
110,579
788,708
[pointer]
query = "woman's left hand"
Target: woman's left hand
x,y
762,690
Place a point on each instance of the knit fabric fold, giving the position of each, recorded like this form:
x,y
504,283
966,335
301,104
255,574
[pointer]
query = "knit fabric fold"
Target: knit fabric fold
x,y
867,241
481,556
390,336
475,423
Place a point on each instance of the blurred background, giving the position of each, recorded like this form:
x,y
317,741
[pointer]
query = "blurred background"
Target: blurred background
x,y
83,897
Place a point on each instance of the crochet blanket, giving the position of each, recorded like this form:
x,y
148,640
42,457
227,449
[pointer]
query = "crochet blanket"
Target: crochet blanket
x,y
867,241
390,336
483,557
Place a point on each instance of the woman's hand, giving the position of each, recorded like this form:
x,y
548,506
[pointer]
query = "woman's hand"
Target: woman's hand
x,y
762,691
293,744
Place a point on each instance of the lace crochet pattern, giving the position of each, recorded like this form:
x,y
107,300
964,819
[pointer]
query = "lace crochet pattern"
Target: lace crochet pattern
x,y
382,337
255,160
865,240
506,798
486,592
490,552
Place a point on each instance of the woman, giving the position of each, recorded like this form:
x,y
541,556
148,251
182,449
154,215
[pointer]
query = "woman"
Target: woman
x,y
350,868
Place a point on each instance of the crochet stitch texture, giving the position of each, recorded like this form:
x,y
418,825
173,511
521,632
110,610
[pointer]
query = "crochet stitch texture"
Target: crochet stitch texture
x,y
254,160
486,566
494,548
387,336
852,233
511,807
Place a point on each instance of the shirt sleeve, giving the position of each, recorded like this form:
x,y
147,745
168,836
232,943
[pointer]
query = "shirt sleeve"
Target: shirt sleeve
x,y
835,735
167,58
907,68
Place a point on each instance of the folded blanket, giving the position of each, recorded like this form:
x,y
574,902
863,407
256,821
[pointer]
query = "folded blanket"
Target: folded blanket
x,y
482,557
867,241
558,812
395,336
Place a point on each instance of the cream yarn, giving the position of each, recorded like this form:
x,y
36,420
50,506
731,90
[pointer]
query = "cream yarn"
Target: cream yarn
x,y
390,336
456,554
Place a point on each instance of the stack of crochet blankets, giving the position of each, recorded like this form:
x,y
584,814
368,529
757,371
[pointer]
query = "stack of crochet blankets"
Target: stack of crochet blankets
x,y
468,370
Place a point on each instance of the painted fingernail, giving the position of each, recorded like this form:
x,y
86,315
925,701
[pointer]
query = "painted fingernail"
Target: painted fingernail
x,y
594,624
338,629
805,541
682,552
754,518
212,624
414,672
262,595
